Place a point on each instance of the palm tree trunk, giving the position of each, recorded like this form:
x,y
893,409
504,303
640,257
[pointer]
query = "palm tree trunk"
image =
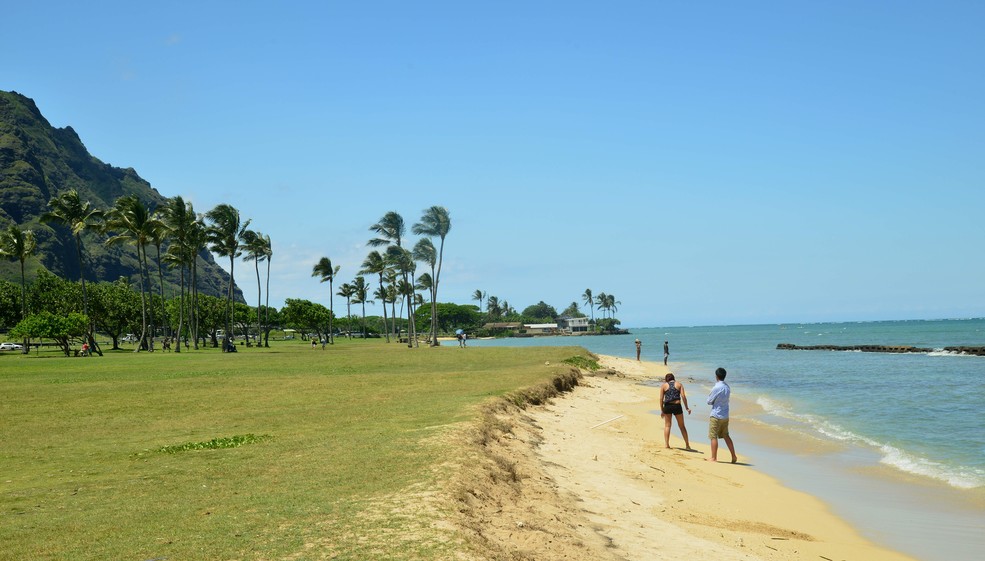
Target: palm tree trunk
x,y
160,278
348,307
411,327
90,337
181,308
229,307
24,302
143,302
331,312
259,297
150,307
266,311
193,307
386,332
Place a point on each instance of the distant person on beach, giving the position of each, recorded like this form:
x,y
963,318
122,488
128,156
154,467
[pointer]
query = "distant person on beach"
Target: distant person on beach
x,y
672,394
718,422
639,347
666,352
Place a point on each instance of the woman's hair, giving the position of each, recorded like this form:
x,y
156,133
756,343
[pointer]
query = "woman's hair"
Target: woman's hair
x,y
669,377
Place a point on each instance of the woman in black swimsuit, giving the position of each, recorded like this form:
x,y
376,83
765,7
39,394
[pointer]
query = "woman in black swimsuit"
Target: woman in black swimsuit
x,y
672,395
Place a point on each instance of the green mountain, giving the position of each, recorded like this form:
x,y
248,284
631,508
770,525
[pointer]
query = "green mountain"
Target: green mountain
x,y
38,162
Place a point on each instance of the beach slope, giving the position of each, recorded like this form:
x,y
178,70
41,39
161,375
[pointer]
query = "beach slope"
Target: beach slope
x,y
587,477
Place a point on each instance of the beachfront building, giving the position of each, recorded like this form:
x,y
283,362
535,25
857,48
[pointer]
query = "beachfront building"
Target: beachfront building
x,y
540,328
571,325
511,326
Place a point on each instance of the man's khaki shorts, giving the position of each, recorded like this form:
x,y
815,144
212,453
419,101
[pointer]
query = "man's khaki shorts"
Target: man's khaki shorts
x,y
717,428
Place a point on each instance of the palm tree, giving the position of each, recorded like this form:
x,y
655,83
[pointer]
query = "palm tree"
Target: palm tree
x,y
327,272
69,210
376,264
587,299
425,252
479,296
257,246
612,304
131,221
360,295
179,218
346,291
390,228
224,234
493,309
403,261
435,222
18,245
266,305
197,241
158,235
507,309
602,300
391,291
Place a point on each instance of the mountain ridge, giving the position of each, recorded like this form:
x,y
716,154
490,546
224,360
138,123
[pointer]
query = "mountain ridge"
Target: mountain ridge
x,y
39,161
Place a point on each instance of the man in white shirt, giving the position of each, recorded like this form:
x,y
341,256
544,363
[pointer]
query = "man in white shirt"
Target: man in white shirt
x,y
718,422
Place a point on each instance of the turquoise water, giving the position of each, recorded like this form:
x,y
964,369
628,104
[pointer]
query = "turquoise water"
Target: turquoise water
x,y
919,415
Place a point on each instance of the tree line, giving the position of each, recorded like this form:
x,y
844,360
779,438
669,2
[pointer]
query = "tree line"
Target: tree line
x,y
179,237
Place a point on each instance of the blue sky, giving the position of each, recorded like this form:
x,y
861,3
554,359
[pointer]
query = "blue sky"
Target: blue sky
x,y
705,162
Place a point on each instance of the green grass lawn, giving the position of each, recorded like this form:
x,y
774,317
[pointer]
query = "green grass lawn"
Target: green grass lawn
x,y
351,443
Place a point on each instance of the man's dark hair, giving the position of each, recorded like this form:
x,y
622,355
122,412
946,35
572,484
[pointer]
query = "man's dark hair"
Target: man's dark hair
x,y
720,374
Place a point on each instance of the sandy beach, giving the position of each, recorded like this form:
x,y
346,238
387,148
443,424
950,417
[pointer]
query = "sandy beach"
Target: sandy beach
x,y
590,479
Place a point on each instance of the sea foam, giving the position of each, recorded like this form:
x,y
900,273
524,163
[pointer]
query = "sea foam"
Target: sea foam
x,y
958,477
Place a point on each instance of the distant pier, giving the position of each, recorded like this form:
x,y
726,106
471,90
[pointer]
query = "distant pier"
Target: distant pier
x,y
977,351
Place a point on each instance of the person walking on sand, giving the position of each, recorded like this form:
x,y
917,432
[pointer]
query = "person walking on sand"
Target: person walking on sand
x,y
666,352
639,347
718,422
672,394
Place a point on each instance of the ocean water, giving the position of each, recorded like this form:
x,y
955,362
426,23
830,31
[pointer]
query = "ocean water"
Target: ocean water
x,y
919,416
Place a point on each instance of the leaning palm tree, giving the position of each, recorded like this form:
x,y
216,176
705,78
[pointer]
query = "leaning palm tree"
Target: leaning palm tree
x,y
376,264
130,221
69,209
346,291
390,228
224,234
435,222
479,296
327,272
256,245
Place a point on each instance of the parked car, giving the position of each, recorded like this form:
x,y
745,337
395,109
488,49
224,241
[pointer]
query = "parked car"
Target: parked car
x,y
10,347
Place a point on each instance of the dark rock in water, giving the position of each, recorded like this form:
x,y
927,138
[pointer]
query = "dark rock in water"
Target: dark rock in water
x,y
978,351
